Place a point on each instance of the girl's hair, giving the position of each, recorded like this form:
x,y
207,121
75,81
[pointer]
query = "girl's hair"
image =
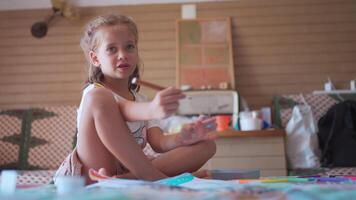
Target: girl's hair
x,y
90,42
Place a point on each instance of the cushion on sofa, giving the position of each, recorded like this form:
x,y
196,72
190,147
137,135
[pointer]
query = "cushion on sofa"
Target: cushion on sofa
x,y
34,177
36,138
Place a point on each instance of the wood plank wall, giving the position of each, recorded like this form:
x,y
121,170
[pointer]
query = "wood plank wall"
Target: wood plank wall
x,y
280,47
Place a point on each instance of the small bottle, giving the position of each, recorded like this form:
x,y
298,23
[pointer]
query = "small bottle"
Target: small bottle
x,y
255,114
257,120
353,85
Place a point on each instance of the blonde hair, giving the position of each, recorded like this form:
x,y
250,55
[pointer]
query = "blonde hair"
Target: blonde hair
x,y
90,42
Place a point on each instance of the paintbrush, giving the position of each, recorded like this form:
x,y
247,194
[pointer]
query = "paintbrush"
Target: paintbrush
x,y
146,84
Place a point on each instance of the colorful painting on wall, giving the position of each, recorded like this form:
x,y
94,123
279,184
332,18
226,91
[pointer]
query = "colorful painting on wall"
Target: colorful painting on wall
x,y
204,54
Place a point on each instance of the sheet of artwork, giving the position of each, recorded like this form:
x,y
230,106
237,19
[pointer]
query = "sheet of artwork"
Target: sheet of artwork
x,y
186,186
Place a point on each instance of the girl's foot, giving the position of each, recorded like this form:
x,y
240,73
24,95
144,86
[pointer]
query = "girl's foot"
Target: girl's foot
x,y
202,174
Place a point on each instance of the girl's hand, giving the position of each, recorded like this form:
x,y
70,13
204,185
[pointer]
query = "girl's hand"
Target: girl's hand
x,y
165,103
197,131
206,174
102,174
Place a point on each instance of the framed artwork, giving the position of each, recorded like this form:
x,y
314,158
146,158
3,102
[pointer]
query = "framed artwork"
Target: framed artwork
x,y
204,54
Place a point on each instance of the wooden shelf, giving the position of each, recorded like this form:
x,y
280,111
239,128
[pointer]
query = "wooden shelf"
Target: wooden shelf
x,y
262,149
259,133
334,92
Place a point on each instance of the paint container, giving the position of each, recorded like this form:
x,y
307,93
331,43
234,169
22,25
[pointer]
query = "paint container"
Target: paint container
x,y
223,122
69,184
266,117
250,121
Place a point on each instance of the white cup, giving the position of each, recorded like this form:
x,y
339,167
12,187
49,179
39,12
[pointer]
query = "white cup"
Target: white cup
x,y
68,184
8,182
250,124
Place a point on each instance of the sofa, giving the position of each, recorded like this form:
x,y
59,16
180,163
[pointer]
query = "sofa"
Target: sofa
x,y
34,141
319,104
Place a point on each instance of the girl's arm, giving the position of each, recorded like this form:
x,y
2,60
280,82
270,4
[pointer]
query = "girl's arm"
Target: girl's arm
x,y
164,104
114,134
190,134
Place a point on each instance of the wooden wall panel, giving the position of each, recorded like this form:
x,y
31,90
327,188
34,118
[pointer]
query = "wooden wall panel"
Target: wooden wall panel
x,y
280,47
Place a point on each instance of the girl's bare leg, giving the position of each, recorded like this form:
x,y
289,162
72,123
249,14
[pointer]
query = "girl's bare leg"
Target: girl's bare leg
x,y
202,173
185,159
180,160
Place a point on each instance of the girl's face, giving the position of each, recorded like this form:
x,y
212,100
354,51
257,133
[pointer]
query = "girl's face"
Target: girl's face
x,y
117,53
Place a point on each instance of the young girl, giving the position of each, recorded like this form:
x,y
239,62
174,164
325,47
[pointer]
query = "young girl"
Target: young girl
x,y
111,137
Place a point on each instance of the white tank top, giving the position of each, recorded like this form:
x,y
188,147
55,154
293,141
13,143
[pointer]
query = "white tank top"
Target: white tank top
x,y
137,128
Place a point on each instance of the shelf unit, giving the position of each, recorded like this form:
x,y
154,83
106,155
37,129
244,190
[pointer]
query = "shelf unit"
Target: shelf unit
x,y
263,150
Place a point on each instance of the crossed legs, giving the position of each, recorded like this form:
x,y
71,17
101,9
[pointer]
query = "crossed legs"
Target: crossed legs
x,y
185,159
182,159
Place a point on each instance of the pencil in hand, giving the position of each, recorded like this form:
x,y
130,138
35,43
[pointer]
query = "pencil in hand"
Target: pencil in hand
x,y
147,84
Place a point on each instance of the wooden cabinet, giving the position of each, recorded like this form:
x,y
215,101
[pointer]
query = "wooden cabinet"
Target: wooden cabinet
x,y
264,150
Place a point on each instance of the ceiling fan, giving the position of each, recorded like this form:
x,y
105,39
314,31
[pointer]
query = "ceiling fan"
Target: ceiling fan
x,y
64,8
